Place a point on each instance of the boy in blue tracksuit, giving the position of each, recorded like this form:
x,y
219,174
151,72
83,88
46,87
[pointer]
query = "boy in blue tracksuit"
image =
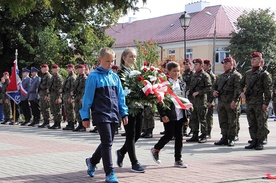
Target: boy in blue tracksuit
x,y
105,97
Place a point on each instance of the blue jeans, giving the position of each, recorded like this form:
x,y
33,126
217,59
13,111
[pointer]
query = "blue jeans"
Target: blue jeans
x,y
1,113
106,131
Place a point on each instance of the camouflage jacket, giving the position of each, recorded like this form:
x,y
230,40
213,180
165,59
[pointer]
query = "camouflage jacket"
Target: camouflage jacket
x,y
45,82
4,88
68,85
274,92
79,85
55,84
186,77
210,97
228,86
201,83
262,89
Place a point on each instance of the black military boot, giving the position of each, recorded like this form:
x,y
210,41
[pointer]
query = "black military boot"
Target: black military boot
x,y
55,126
231,141
144,133
222,141
202,138
44,125
259,145
194,138
80,128
149,133
252,145
70,126
34,123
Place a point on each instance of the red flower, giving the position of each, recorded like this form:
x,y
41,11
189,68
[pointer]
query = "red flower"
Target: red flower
x,y
145,69
146,63
159,71
140,78
152,68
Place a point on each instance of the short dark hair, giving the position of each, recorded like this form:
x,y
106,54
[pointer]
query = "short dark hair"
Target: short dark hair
x,y
172,65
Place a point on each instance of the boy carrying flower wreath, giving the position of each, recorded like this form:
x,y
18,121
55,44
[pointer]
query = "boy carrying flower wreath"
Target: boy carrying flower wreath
x,y
173,119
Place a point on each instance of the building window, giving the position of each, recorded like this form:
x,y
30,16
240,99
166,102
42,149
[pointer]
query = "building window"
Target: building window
x,y
221,53
189,53
171,52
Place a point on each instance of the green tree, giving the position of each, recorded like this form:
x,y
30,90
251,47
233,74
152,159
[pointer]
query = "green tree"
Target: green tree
x,y
42,30
256,31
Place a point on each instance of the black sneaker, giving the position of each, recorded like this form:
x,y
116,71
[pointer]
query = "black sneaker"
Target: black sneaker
x,y
180,164
137,168
120,158
155,155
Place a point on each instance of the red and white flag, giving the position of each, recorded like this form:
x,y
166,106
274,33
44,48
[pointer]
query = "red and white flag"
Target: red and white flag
x,y
15,86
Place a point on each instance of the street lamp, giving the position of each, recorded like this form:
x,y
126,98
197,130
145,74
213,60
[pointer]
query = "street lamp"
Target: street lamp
x,y
185,22
214,39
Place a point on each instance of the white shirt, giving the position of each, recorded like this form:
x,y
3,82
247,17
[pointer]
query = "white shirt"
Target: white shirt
x,y
176,89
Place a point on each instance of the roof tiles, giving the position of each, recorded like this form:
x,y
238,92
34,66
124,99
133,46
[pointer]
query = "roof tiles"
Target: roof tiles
x,y
167,28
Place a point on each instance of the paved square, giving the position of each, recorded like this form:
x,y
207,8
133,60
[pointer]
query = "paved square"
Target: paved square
x,y
33,155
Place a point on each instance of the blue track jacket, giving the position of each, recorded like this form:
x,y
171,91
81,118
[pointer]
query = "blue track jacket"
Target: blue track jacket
x,y
104,95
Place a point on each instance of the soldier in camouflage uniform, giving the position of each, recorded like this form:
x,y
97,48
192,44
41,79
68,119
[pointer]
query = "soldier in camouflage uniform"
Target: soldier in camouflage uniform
x,y
227,89
68,87
55,96
77,93
186,77
147,122
258,92
6,105
211,103
199,87
44,98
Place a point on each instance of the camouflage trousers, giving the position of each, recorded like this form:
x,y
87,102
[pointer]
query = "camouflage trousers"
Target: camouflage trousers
x,y
77,107
209,119
257,121
69,109
148,118
198,120
44,106
238,121
55,108
274,107
227,119
6,110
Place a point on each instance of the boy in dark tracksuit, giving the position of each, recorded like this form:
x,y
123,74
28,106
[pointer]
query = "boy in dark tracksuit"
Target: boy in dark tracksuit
x,y
105,97
173,119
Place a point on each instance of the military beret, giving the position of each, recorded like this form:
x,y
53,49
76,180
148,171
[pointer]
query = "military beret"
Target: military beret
x,y
197,60
44,65
207,61
33,69
256,54
25,70
187,60
115,67
6,73
54,66
227,59
70,66
80,66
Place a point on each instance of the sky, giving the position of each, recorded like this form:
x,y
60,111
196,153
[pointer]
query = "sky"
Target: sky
x,y
155,8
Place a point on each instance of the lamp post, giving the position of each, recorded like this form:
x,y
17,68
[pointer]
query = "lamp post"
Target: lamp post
x,y
185,22
214,39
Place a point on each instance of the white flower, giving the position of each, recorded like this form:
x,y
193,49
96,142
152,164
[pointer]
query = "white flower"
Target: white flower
x,y
152,78
134,73
127,91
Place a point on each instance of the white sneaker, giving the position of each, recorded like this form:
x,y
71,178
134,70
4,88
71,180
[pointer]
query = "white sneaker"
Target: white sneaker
x,y
180,164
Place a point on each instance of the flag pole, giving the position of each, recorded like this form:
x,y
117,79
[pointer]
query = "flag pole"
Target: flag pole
x,y
14,105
